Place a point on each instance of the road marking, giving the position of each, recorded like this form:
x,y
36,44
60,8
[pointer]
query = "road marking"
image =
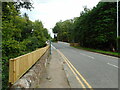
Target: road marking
x,y
112,65
80,75
76,71
87,55
72,70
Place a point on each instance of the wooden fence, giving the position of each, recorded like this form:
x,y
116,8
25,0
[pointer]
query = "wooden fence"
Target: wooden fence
x,y
18,66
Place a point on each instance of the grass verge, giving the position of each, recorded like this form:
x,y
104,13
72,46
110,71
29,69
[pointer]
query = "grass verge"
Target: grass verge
x,y
99,51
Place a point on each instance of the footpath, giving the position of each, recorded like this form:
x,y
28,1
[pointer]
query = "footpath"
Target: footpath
x,y
54,76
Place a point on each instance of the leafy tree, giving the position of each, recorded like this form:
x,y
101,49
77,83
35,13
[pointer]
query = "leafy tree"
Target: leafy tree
x,y
19,35
64,30
94,28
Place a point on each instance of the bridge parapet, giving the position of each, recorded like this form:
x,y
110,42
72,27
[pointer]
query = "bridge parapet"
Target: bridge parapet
x,y
33,63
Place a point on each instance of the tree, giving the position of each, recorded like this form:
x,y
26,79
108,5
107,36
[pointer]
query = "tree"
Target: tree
x,y
94,28
19,35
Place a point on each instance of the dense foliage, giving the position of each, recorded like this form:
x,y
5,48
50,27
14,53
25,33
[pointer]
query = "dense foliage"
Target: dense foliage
x,y
95,28
19,35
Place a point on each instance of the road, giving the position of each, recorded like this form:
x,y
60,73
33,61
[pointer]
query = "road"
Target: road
x,y
100,71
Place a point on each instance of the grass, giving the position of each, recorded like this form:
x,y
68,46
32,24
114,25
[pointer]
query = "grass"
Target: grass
x,y
99,51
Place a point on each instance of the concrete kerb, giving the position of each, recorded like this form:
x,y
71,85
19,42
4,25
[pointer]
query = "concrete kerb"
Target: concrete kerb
x,y
71,78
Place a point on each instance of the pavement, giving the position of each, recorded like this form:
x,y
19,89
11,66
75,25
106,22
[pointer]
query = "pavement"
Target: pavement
x,y
54,76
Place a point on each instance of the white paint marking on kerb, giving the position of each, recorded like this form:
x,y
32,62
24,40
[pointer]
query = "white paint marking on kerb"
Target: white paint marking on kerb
x,y
106,55
53,46
112,65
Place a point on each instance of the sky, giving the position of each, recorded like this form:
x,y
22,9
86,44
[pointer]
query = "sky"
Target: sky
x,y
52,11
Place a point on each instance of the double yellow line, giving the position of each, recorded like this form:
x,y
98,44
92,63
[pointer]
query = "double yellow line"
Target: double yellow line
x,y
76,73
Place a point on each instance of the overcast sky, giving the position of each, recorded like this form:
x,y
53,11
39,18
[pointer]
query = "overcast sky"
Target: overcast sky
x,y
52,11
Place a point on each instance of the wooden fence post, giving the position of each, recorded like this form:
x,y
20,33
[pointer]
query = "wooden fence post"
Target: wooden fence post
x,y
11,71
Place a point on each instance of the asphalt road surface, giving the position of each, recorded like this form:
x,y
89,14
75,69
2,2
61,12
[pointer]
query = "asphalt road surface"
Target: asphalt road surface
x,y
100,71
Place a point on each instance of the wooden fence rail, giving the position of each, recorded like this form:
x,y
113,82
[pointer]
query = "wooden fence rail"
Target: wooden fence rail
x,y
18,66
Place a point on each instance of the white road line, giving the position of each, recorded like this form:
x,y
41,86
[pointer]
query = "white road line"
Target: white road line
x,y
87,55
112,65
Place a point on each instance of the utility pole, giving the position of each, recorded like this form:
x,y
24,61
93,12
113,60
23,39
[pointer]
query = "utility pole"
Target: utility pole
x,y
50,47
50,43
117,24
117,21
